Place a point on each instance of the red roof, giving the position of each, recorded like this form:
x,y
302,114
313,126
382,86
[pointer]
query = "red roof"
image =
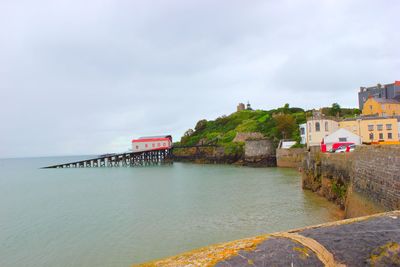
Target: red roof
x,y
150,139
397,83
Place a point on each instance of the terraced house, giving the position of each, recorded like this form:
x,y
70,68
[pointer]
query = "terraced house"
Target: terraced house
x,y
319,127
373,129
381,107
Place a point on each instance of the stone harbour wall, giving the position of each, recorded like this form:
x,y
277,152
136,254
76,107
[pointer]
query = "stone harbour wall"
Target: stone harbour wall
x,y
363,182
376,175
290,158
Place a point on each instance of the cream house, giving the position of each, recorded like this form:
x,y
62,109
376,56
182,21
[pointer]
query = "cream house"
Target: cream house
x,y
318,128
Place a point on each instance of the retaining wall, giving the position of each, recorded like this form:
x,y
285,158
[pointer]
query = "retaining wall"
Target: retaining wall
x,y
290,158
363,182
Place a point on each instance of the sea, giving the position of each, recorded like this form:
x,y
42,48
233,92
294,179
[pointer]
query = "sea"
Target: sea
x,y
124,216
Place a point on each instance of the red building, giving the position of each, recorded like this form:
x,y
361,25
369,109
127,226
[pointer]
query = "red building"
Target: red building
x,y
147,143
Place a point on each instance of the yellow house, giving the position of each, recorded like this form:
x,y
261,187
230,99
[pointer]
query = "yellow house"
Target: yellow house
x,y
381,107
373,129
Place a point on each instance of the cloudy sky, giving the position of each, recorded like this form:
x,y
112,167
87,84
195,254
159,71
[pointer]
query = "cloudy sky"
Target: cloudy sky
x,y
84,77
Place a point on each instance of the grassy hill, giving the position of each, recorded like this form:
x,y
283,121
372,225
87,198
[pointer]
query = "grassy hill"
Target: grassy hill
x,y
273,124
276,124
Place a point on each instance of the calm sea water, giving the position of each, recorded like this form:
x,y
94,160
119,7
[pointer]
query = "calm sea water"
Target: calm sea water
x,y
121,216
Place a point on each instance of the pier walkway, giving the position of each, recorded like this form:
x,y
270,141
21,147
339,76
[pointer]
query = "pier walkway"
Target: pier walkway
x,y
127,159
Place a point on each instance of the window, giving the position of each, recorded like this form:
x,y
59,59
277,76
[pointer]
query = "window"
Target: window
x,y
370,107
379,127
370,127
164,144
309,127
326,126
371,136
380,136
390,136
146,145
153,145
317,127
137,147
302,131
158,144
309,138
342,139
388,127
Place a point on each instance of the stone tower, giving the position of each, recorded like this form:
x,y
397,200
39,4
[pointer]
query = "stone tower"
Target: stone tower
x,y
240,107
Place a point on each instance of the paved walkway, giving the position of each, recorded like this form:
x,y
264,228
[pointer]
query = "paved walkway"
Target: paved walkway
x,y
365,241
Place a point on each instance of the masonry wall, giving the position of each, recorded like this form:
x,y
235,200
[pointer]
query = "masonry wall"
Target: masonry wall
x,y
259,153
206,155
377,175
363,182
290,158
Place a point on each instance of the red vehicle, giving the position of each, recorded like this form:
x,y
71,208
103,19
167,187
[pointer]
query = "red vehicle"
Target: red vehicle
x,y
339,144
148,143
335,146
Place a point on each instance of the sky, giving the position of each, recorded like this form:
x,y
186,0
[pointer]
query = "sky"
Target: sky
x,y
85,77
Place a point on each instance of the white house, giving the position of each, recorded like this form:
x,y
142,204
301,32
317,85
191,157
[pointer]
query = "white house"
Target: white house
x,y
341,135
303,133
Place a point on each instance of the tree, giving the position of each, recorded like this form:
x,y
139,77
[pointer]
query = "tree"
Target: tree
x,y
186,136
201,125
285,125
335,110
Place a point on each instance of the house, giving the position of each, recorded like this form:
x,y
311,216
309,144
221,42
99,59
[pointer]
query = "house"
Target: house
x,y
318,127
386,91
373,129
341,136
381,107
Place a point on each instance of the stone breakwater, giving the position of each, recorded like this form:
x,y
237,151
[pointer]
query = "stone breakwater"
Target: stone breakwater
x,y
363,182
352,242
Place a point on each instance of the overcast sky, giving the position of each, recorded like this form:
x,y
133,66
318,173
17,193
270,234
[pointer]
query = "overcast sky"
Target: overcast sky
x,y
85,77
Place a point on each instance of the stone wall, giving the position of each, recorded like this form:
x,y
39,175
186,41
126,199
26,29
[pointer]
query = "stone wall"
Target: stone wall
x,y
259,152
363,182
328,175
206,155
290,158
377,175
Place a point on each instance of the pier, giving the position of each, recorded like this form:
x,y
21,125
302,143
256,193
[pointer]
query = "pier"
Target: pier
x,y
129,159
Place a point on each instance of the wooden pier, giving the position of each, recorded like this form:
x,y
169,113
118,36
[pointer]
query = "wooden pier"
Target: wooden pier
x,y
129,159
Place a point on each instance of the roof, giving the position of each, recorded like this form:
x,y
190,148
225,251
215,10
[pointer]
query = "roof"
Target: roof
x,y
156,136
374,117
386,101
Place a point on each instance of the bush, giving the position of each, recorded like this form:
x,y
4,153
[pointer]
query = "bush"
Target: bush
x,y
234,149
